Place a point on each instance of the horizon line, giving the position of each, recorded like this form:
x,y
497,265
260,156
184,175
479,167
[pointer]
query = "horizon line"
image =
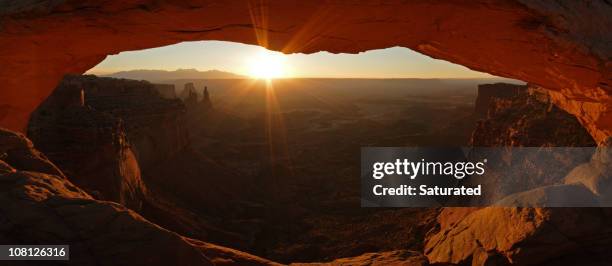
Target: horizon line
x,y
284,78
246,76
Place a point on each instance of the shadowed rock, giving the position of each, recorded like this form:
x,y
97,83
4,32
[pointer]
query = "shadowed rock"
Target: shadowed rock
x,y
397,257
41,207
515,235
489,93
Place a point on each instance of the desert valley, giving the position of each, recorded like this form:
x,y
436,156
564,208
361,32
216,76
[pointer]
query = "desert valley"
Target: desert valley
x,y
270,167
242,132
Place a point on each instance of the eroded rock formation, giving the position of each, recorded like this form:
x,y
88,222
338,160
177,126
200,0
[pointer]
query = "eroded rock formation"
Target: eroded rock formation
x,y
121,141
102,131
563,46
155,126
487,93
166,90
90,146
397,258
516,115
545,236
501,236
40,206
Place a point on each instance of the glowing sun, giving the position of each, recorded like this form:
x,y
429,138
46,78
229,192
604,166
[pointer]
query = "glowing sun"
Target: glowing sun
x,y
268,65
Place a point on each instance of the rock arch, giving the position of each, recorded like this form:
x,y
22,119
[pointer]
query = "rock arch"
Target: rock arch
x,y
564,46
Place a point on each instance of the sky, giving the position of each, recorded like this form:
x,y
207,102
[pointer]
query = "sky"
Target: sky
x,y
254,60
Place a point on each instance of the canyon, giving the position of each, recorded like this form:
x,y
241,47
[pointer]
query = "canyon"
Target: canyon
x,y
222,186
561,48
203,207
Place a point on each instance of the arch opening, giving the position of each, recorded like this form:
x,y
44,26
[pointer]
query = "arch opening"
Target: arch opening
x,y
516,39
560,47
250,162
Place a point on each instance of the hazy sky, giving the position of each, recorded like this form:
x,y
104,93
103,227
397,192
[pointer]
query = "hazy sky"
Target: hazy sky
x,y
238,58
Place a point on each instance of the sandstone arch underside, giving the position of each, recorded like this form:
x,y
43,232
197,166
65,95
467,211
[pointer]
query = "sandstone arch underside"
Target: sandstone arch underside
x,y
564,46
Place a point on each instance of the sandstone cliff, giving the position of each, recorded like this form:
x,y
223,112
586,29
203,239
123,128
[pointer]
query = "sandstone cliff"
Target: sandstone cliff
x,y
547,236
104,132
487,93
155,126
92,149
91,144
518,116
121,141
166,90
528,119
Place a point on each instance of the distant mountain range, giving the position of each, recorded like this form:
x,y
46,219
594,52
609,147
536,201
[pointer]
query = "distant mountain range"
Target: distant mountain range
x,y
163,75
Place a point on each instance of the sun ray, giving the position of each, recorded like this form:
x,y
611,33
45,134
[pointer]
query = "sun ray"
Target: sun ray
x,y
278,149
243,89
321,22
258,10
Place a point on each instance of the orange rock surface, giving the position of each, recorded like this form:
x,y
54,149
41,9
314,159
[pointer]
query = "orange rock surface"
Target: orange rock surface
x,y
561,46
396,258
521,236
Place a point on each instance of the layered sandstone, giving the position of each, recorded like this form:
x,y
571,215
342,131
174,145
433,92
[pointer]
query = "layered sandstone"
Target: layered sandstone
x,y
563,46
489,93
396,257
122,141
517,116
515,235
155,126
90,146
501,236
101,131
40,206
531,119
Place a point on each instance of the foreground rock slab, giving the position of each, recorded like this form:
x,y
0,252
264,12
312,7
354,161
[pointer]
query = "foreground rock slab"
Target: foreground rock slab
x,y
40,206
500,236
397,257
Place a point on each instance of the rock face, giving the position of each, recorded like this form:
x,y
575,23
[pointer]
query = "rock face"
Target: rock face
x,y
527,118
166,90
121,141
40,206
563,46
102,130
17,152
518,116
487,93
155,126
397,257
90,146
521,236
190,95
546,236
